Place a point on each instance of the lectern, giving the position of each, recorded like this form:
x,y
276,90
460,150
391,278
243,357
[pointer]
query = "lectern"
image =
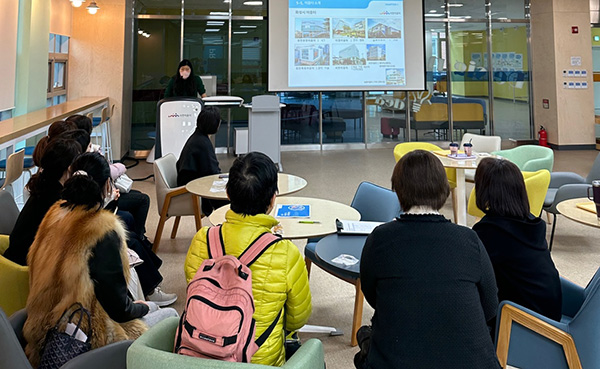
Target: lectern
x,y
264,127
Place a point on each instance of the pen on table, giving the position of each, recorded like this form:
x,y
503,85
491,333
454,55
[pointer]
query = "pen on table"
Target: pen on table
x,y
309,222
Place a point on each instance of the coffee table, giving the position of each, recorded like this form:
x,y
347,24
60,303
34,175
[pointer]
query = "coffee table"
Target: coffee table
x,y
569,209
460,192
286,183
324,211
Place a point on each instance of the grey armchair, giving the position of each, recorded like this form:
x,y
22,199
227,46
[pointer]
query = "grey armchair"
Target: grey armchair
x,y
11,341
527,339
565,186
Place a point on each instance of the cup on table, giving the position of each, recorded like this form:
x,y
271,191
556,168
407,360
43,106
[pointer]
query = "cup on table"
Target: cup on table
x,y
453,149
468,148
595,195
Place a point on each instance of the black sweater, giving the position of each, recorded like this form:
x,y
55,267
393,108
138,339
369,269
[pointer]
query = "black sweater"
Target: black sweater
x,y
28,222
198,159
106,271
522,263
432,286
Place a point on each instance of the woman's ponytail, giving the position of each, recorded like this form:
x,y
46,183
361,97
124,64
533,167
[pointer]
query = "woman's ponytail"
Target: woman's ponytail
x,y
82,190
89,174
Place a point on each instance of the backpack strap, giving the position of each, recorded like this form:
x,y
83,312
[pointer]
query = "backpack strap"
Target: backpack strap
x,y
257,248
263,337
214,242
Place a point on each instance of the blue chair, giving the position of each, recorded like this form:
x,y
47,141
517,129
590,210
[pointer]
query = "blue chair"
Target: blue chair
x,y
565,186
527,339
375,204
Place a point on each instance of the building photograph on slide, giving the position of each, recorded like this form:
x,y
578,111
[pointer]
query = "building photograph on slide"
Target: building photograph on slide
x,y
346,45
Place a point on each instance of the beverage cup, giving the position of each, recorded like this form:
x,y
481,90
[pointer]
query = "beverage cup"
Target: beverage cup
x,y
595,195
453,149
468,148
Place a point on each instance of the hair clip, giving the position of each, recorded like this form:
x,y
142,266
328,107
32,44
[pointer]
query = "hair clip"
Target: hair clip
x,y
80,173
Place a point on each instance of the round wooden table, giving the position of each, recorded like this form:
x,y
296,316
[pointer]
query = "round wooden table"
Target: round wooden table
x,y
460,192
324,211
286,183
569,209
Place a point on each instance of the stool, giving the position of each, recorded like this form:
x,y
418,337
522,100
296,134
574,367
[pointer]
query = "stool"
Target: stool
x,y
103,125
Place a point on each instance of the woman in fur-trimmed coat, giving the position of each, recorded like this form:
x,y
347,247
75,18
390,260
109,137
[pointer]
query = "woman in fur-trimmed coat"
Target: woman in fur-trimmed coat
x,y
79,255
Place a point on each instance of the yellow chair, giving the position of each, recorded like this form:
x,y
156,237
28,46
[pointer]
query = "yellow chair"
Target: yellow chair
x,y
403,148
14,282
536,184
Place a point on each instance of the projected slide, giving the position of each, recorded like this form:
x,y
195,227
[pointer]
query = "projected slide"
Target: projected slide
x,y
338,43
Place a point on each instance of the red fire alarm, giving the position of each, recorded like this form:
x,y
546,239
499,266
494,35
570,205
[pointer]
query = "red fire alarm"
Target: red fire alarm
x,y
546,104
574,29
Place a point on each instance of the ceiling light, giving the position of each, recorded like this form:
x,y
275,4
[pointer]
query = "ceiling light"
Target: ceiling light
x,y
253,3
140,31
212,30
503,18
77,3
219,13
247,26
456,5
433,11
240,32
215,23
434,15
93,8
226,1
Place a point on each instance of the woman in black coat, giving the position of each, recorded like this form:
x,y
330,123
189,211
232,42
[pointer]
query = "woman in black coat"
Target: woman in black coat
x,y
198,158
515,240
430,281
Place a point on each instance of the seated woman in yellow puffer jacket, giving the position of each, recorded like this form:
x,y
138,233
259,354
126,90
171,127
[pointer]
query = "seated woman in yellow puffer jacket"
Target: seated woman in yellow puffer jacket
x,y
279,277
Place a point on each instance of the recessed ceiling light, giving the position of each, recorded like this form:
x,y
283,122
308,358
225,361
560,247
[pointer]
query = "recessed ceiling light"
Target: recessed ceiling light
x,y
502,18
212,30
253,3
215,23
456,5
226,1
240,32
247,26
219,13
434,15
433,11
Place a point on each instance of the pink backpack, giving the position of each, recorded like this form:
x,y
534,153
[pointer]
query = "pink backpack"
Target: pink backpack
x,y
217,321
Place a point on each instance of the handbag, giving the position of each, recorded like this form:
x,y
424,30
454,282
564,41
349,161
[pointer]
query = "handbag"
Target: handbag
x,y
60,347
124,183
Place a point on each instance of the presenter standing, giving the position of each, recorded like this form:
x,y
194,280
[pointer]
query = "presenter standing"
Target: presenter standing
x,y
185,83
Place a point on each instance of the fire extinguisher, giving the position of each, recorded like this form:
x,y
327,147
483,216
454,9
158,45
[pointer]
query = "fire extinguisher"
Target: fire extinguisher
x,y
543,137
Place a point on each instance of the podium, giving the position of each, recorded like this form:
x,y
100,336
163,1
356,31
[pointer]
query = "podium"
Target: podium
x,y
264,127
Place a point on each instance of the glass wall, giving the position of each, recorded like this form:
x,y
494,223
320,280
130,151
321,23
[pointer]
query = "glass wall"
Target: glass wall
x,y
476,71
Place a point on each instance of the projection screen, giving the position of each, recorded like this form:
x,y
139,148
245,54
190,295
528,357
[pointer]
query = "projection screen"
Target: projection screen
x,y
346,45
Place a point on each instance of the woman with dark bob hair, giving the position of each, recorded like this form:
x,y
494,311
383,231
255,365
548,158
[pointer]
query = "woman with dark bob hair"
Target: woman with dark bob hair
x,y
430,281
515,239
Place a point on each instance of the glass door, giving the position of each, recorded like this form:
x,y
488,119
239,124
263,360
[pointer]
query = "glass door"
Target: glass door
x,y
469,80
511,80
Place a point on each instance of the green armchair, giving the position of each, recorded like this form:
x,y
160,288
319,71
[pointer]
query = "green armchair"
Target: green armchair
x,y
529,158
154,350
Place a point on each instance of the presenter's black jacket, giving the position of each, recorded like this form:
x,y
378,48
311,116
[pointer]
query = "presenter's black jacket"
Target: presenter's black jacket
x,y
198,159
525,272
200,89
29,220
432,286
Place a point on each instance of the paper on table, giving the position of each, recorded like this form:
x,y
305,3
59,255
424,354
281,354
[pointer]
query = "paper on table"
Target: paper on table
x,y
355,227
292,211
346,260
219,185
588,205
